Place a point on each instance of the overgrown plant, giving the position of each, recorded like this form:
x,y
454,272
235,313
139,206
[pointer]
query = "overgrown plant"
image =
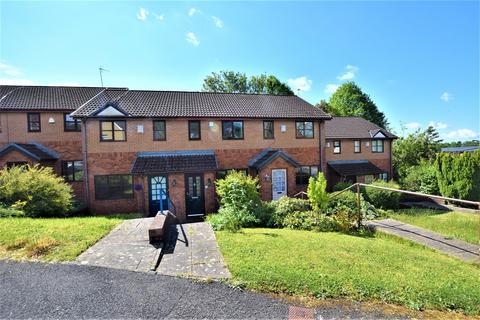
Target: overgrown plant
x,y
35,190
317,192
383,199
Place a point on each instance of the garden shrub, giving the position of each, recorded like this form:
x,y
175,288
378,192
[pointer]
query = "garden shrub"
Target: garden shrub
x,y
239,200
265,213
310,220
421,178
35,190
341,186
382,198
10,212
317,192
458,175
345,204
286,206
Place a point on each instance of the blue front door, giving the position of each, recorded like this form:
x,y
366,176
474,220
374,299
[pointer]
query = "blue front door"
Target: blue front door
x,y
158,194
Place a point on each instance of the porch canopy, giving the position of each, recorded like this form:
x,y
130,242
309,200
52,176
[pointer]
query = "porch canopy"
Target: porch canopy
x,y
354,167
175,161
34,151
266,156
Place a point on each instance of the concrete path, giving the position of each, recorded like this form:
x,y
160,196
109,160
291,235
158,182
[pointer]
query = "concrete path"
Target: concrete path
x,y
457,248
125,247
193,252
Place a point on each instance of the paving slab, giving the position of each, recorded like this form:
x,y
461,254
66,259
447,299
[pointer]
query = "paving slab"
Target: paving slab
x,y
193,251
125,247
453,247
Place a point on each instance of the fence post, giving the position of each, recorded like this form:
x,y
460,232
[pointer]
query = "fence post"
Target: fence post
x,y
359,209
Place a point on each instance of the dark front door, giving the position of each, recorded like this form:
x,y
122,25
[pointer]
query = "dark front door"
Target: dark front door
x,y
194,195
158,194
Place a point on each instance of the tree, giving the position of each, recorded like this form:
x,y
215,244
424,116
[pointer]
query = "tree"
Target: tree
x,y
350,100
237,82
410,151
317,192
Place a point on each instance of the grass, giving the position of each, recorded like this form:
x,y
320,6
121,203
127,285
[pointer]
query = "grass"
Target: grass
x,y
53,239
459,225
335,265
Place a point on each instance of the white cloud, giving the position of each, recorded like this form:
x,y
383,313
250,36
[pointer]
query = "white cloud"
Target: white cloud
x,y
349,74
462,134
331,88
218,22
192,11
192,38
142,14
438,125
413,125
446,97
159,17
17,82
300,84
9,70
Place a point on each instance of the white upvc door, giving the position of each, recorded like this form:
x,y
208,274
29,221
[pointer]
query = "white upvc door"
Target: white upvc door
x,y
279,183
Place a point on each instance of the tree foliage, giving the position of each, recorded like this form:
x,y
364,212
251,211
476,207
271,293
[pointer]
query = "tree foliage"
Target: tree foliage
x,y
237,82
350,100
413,149
317,192
458,175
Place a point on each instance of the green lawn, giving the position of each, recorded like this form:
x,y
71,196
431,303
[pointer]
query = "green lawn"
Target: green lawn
x,y
335,265
460,225
52,239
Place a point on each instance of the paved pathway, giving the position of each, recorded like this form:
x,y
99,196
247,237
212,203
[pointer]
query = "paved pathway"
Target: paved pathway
x,y
126,247
457,248
193,251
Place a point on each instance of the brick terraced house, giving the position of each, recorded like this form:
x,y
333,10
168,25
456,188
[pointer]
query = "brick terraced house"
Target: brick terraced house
x,y
138,151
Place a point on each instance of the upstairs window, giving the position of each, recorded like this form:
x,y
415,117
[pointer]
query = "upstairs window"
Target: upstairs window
x,y
268,131
303,174
194,132
377,146
337,147
113,130
304,129
232,130
357,146
70,123
72,170
117,186
159,130
33,119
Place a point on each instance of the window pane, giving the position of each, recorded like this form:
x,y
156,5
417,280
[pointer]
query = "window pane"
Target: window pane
x,y
159,125
107,135
106,125
314,171
159,135
78,168
120,136
194,130
238,129
268,129
119,125
227,130
308,125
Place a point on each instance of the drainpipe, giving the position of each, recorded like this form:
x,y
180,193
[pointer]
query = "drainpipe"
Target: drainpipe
x,y
320,145
85,162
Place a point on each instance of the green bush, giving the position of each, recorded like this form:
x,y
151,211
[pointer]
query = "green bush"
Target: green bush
x,y
264,214
310,220
10,212
458,175
383,199
317,192
240,201
421,178
35,190
341,186
343,207
286,206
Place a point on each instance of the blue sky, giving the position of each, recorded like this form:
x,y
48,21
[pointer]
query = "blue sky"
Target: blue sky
x,y
419,61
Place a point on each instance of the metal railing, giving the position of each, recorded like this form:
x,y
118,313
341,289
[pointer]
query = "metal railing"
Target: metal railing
x,y
419,194
170,205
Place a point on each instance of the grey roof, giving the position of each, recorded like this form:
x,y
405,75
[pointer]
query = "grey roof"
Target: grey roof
x,y
354,167
175,161
268,155
461,149
34,151
166,104
45,97
353,127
